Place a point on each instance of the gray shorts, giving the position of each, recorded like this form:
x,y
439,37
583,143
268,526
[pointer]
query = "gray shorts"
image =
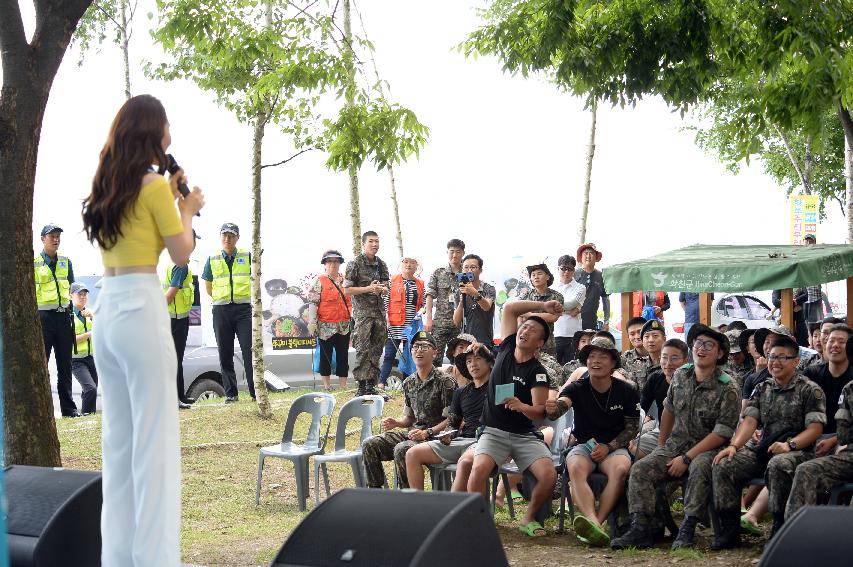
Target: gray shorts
x,y
501,445
451,453
648,442
581,451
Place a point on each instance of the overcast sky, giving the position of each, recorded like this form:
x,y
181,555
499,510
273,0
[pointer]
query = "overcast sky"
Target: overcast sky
x,y
503,169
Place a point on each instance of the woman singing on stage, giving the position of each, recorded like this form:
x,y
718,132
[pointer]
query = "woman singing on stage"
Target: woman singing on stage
x,y
131,213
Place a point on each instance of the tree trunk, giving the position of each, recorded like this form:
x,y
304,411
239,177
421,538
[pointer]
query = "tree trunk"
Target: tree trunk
x,y
355,208
847,125
258,366
396,209
125,42
588,183
28,73
802,172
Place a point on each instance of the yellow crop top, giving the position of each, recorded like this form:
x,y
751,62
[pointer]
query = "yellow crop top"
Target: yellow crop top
x,y
152,217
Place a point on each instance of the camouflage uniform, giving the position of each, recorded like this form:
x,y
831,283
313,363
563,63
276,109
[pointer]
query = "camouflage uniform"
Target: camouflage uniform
x,y
567,370
699,408
636,367
428,402
552,368
550,345
738,372
819,475
444,290
807,359
777,410
369,325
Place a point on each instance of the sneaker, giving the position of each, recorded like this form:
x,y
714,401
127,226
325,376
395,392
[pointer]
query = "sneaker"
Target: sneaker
x,y
184,405
231,399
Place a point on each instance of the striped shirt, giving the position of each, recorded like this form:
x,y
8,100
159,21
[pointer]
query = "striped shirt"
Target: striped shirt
x,y
396,331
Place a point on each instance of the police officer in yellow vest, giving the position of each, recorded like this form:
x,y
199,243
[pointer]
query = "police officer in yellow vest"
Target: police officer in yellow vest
x,y
180,292
82,359
227,278
54,276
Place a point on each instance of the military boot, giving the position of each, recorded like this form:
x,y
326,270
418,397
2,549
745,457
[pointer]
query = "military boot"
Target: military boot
x,y
729,534
639,536
371,390
686,533
362,388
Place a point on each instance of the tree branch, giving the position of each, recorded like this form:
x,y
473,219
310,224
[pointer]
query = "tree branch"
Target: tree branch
x,y
13,39
792,157
297,154
55,24
108,15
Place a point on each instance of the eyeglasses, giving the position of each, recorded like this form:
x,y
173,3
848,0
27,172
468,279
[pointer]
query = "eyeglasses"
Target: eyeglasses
x,y
421,347
704,345
676,359
566,269
780,357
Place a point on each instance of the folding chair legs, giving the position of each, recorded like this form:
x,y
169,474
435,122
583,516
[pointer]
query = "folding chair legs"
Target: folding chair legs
x,y
325,482
260,477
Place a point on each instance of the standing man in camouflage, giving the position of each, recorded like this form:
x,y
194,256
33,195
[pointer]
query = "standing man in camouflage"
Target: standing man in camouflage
x,y
700,413
821,474
366,280
541,279
442,293
791,409
426,405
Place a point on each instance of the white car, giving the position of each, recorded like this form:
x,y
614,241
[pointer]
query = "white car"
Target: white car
x,y
744,307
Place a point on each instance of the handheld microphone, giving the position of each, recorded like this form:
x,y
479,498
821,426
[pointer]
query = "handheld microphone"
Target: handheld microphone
x,y
172,167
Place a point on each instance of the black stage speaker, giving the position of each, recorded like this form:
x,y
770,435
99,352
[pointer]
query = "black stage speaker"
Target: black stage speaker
x,y
815,535
54,516
399,528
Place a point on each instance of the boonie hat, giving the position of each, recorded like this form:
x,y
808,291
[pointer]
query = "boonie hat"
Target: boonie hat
x,y
460,360
462,337
743,340
734,341
761,336
230,227
48,228
722,340
581,334
544,268
602,344
588,246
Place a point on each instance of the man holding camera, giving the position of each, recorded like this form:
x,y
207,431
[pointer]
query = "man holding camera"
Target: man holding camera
x,y
442,293
366,281
475,310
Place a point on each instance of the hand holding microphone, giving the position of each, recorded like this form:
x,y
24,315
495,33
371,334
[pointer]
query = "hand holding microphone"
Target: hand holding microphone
x,y
192,201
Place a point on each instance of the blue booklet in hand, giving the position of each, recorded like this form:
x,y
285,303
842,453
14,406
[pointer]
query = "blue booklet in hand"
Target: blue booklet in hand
x,y
504,391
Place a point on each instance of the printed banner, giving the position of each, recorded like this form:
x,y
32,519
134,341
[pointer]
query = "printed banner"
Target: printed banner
x,y
803,217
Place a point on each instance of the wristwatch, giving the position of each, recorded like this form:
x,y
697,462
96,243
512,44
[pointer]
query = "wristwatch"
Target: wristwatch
x,y
479,297
686,460
792,445
429,432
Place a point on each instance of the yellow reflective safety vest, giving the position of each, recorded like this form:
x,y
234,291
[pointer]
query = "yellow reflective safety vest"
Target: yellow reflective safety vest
x,y
231,284
84,348
53,290
179,307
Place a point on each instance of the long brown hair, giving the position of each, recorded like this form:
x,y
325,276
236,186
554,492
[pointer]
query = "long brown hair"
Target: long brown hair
x,y
134,143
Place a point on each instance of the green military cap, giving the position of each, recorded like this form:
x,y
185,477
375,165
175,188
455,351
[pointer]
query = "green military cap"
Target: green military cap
x,y
652,325
423,336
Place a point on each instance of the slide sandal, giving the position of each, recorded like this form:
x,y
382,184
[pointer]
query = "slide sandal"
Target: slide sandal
x,y
747,527
532,529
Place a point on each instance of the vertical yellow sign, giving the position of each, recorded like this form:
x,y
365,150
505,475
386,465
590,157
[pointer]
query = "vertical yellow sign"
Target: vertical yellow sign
x,y
803,217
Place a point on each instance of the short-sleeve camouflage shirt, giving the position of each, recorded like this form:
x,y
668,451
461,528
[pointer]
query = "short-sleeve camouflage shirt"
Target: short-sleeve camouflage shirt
x,y
444,290
794,407
635,367
428,401
361,272
548,295
701,408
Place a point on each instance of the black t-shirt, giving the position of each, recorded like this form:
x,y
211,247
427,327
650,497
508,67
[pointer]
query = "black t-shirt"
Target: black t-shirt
x,y
525,376
831,385
601,415
654,391
752,380
468,404
594,284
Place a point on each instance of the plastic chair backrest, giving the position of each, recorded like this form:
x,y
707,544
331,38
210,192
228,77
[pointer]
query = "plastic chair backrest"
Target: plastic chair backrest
x,y
318,405
558,426
364,408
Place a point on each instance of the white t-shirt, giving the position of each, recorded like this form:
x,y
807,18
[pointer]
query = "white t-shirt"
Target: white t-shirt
x,y
573,294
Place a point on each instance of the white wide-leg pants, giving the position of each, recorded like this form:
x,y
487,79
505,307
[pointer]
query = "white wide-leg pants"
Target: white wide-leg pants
x,y
135,357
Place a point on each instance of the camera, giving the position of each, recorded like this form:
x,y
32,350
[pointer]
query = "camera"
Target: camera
x,y
464,278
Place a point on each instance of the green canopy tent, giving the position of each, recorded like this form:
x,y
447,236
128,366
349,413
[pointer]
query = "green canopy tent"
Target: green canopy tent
x,y
705,269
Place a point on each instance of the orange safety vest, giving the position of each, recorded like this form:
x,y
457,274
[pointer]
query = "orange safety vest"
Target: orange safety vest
x,y
332,308
397,300
639,301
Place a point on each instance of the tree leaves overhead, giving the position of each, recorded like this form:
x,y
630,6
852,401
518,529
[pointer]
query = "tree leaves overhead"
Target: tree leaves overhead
x,y
288,65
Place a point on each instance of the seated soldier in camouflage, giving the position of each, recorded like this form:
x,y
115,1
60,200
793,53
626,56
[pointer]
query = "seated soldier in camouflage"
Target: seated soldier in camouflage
x,y
427,396
466,409
700,413
820,475
636,358
739,364
653,335
791,409
606,418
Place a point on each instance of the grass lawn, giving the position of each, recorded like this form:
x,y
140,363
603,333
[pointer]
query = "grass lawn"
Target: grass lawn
x,y
222,526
